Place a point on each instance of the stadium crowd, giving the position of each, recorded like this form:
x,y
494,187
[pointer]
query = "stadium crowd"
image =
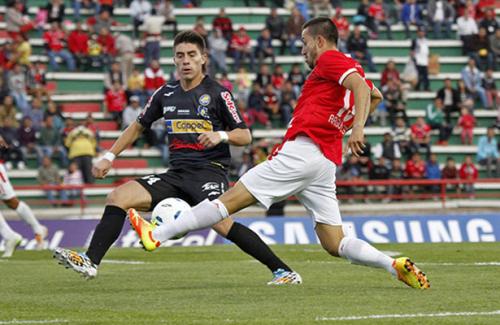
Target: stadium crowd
x,y
90,42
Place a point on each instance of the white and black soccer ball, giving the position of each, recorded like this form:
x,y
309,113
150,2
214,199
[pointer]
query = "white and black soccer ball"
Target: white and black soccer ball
x,y
167,211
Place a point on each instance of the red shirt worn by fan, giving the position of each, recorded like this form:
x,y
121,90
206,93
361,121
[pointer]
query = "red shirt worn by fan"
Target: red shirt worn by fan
x,y
325,109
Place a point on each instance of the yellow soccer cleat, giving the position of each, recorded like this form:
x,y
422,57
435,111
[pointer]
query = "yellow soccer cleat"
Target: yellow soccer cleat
x,y
410,274
144,230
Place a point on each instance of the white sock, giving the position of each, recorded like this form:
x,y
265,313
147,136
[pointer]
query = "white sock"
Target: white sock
x,y
205,214
5,230
358,251
24,211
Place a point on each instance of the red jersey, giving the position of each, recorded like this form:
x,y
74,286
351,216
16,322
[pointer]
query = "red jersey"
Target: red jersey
x,y
342,24
153,79
238,41
78,42
325,109
376,11
467,121
115,100
415,170
54,40
420,132
468,171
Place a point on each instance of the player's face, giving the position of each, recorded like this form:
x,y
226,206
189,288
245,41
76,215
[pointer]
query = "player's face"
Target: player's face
x,y
189,61
309,48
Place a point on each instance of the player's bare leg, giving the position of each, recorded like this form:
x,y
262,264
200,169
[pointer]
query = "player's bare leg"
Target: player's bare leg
x,y
360,252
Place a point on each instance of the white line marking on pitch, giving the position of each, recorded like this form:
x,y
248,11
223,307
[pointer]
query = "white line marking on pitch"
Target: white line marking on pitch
x,y
444,314
47,321
423,263
123,262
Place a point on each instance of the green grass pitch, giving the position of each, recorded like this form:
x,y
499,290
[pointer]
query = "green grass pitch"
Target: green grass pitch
x,y
221,285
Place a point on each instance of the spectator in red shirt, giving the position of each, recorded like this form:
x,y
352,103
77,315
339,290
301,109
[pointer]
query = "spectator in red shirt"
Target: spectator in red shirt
x,y
468,171
341,22
153,77
421,135
115,101
271,102
450,171
415,168
467,122
107,41
78,45
378,16
54,42
241,48
390,72
224,23
278,78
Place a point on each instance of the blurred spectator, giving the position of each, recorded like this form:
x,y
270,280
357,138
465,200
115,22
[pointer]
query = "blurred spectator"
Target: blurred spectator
x,y
27,137
420,51
264,48
8,111
241,48
415,169
387,149
489,85
362,17
411,15
481,51
380,171
50,142
487,153
342,23
466,122
256,106
12,154
263,76
225,24
115,102
78,46
409,76
440,13
357,45
55,40
490,22
243,84
225,82
297,78
135,86
397,172
466,99
434,117
37,81
166,8
278,77
199,27
421,136
294,29
152,37
140,10
288,101
432,171
271,102
320,5
107,42
450,171
390,73
153,78
90,5
55,11
106,5
466,28
22,52
69,125
4,87
36,113
450,98
218,46
90,124
125,50
378,16
73,177
57,117
96,23
15,21
276,26
17,86
402,136
48,174
131,112
471,77
468,171
95,52
393,100
113,75
82,148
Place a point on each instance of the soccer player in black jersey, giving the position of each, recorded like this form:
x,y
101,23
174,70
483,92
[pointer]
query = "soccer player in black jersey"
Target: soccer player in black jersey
x,y
201,120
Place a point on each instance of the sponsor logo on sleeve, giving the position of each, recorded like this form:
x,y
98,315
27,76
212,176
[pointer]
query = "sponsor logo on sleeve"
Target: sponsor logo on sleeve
x,y
231,106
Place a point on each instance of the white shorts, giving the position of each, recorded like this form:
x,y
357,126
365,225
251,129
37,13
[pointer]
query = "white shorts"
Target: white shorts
x,y
6,190
299,169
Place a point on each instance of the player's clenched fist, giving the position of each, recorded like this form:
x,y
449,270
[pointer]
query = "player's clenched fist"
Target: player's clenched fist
x,y
209,139
101,168
355,141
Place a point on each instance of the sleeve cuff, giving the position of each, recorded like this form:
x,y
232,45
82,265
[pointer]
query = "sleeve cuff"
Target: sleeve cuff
x,y
348,72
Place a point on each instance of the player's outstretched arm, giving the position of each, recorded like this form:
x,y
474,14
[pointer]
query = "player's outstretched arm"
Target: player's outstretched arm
x,y
103,165
236,137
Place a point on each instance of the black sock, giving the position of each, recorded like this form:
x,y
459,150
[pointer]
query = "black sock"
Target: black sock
x,y
106,233
249,242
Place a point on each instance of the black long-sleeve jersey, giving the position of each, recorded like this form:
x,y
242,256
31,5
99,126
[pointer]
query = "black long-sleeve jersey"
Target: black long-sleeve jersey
x,y
207,107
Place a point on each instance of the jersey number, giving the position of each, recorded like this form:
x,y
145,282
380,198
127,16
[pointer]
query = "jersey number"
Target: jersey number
x,y
151,179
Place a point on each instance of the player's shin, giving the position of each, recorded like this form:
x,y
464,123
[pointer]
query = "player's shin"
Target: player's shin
x,y
204,214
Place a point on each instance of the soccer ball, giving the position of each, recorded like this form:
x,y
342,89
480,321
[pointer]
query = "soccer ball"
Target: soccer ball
x,y
168,210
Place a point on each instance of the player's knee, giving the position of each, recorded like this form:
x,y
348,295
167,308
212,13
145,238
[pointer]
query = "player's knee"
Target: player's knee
x,y
115,198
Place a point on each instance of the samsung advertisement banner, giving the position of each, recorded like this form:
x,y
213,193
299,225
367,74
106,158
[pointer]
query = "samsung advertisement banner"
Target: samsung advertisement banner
x,y
290,230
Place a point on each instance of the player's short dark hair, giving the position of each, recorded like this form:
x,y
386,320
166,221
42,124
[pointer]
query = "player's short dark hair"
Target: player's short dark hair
x,y
323,26
191,37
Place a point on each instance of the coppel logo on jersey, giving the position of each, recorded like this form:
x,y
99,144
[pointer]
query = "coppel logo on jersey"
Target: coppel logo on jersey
x,y
188,126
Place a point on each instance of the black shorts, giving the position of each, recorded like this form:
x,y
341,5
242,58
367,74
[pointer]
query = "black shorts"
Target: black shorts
x,y
191,184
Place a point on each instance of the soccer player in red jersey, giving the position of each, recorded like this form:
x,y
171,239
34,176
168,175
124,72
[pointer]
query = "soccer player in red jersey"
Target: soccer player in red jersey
x,y
336,98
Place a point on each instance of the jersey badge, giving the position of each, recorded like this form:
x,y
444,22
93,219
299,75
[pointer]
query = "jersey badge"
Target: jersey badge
x,y
203,112
204,100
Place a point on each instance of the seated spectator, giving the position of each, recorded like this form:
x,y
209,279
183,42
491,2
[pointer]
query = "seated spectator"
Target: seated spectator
x,y
241,48
152,36
108,49
125,49
256,106
15,21
393,101
450,98
388,149
297,77
466,122
487,153
224,23
490,86
411,15
276,26
481,51
48,174
319,5
12,154
218,46
390,73
278,77
288,101
18,88
440,14
82,148
153,78
140,10
113,75
342,24
115,102
50,142
243,84
8,111
466,29
73,177
90,5
490,22
135,86
264,48
78,46
357,45
468,171
55,11
402,136
27,137
432,171
466,99
415,169
421,136
54,111
450,171
380,171
294,30
96,23
362,17
495,45
166,8
378,16
69,125
95,52
131,112
36,113
471,77
434,117
37,81
22,52
55,40
199,27
90,124
264,76
271,102
420,52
